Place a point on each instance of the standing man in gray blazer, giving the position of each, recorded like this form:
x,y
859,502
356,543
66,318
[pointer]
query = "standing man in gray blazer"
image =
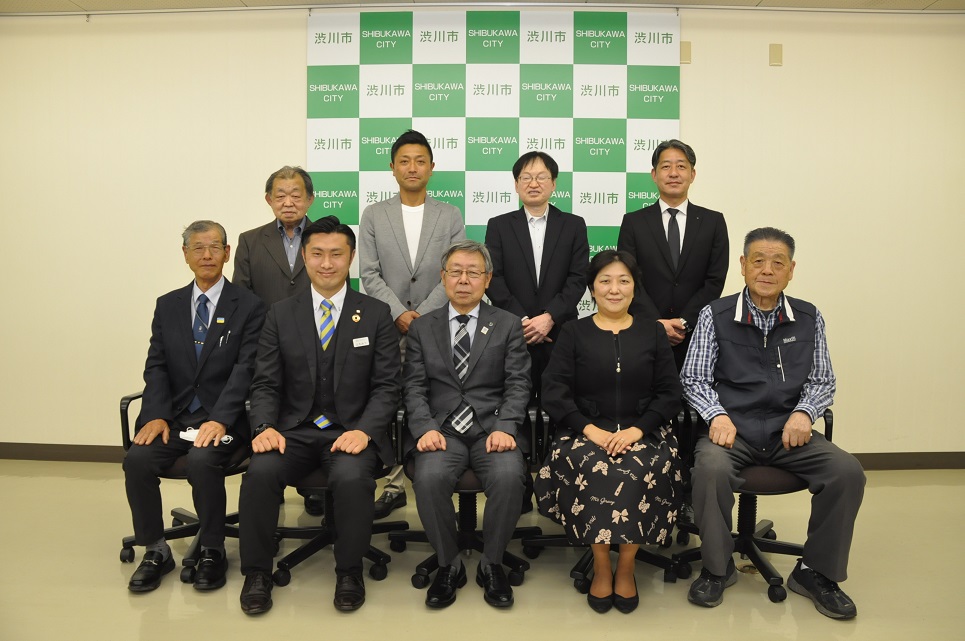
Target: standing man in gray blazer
x,y
401,241
466,389
268,260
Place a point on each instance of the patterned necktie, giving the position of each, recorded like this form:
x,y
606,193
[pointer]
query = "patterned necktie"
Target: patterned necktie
x,y
462,417
327,328
673,237
325,332
200,329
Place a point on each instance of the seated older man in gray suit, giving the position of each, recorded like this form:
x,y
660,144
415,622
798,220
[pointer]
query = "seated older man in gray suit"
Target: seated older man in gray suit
x,y
400,243
466,388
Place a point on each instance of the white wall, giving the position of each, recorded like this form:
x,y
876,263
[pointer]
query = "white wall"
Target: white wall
x,y
117,132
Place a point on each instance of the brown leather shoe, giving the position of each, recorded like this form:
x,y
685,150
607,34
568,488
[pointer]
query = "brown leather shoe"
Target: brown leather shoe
x,y
349,592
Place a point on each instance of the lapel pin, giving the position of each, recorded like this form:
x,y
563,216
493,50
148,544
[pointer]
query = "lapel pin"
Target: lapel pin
x,y
356,317
220,320
484,330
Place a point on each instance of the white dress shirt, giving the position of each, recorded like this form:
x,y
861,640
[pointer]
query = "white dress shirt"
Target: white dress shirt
x,y
537,234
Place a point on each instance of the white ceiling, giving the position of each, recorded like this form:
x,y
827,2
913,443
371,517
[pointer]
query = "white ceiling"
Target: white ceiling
x,y
92,6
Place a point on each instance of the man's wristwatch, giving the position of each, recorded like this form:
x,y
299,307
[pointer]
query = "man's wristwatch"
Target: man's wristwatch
x,y
261,428
683,321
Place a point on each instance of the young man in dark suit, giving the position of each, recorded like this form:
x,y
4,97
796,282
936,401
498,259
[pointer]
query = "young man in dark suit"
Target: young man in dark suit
x,y
466,390
540,255
325,390
681,248
204,338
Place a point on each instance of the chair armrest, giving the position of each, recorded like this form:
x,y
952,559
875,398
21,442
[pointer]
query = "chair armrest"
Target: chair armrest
x,y
126,435
828,423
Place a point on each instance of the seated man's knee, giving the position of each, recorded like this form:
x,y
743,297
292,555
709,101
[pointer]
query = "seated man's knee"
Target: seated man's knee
x,y
140,460
346,470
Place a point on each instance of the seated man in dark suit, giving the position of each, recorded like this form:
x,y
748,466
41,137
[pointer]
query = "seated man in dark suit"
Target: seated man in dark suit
x,y
466,389
759,374
326,388
204,338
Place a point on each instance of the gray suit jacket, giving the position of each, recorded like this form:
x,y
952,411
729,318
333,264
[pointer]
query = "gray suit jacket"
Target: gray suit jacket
x,y
385,269
262,266
497,385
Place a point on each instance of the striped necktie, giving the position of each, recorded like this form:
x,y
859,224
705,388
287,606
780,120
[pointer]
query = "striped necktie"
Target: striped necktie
x,y
200,329
327,328
462,417
325,332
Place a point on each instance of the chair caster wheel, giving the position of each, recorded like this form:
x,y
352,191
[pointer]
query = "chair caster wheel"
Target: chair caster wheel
x,y
378,572
582,585
516,577
397,546
187,574
683,538
770,535
776,593
683,570
531,551
420,581
127,555
669,576
281,577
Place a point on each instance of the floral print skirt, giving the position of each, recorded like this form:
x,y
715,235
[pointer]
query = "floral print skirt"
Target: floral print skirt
x,y
598,499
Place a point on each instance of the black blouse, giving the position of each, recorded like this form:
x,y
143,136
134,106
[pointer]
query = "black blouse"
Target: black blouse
x,y
627,379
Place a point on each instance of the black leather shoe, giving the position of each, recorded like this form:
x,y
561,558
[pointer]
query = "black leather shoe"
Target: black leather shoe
x,y
315,504
496,589
148,574
442,592
601,604
828,598
256,594
212,567
625,604
349,592
387,502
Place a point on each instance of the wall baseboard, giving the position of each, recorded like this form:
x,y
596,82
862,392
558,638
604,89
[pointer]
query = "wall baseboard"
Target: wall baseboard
x,y
115,454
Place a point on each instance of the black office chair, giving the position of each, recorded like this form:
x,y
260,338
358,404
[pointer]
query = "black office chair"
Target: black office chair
x,y
184,523
754,537
582,571
469,538
322,535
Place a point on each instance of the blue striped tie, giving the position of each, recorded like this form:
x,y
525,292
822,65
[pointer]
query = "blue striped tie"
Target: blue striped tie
x,y
325,332
200,329
462,417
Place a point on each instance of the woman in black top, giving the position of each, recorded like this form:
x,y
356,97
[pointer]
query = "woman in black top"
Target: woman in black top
x,y
612,475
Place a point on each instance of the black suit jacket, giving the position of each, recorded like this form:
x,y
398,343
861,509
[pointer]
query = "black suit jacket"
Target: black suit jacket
x,y
701,271
262,266
173,373
562,282
497,384
367,363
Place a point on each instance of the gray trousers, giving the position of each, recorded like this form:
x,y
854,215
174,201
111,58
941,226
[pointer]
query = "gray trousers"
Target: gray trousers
x,y
835,480
435,478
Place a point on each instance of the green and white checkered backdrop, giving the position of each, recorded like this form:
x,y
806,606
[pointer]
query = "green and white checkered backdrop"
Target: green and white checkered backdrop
x,y
596,90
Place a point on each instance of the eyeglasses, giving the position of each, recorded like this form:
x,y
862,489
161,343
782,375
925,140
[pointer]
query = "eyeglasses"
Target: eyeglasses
x,y
472,274
214,248
542,179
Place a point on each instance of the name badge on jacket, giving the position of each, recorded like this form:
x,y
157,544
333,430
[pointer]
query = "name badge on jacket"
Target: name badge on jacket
x,y
360,342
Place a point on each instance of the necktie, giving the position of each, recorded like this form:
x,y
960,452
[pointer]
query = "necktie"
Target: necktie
x,y
325,332
462,417
200,329
673,237
327,328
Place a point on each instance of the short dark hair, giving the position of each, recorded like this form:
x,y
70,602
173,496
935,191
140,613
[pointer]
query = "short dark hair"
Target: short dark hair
x,y
288,173
529,157
608,257
201,226
768,233
673,143
328,225
411,137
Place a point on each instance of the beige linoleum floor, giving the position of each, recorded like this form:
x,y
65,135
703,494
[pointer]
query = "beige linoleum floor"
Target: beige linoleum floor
x,y
62,524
